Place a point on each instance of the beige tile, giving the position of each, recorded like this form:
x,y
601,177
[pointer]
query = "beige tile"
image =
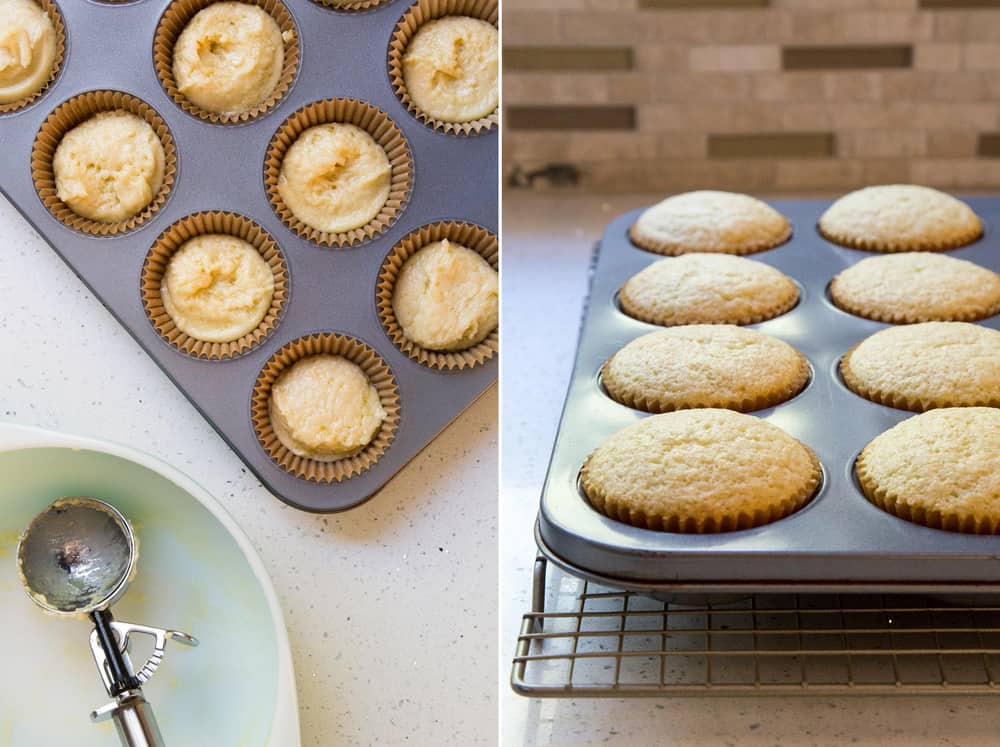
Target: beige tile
x,y
944,115
789,86
885,171
949,25
827,5
937,56
701,87
951,143
701,4
874,143
979,173
818,174
859,28
854,86
931,4
710,117
979,56
737,58
530,27
656,58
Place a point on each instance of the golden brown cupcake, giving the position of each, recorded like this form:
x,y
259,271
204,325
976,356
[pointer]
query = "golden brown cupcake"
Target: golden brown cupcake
x,y
451,68
709,221
707,289
110,167
229,57
900,218
27,49
938,469
705,365
447,297
335,177
700,471
325,408
217,288
917,287
922,366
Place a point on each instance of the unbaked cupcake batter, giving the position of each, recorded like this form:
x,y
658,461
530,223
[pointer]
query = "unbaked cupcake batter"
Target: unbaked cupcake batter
x,y
110,167
450,68
217,288
27,49
335,177
446,297
325,408
229,57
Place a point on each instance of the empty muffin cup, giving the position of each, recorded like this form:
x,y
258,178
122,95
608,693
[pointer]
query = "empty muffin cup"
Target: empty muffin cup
x,y
416,16
74,112
382,130
469,235
173,22
166,246
55,17
351,6
380,377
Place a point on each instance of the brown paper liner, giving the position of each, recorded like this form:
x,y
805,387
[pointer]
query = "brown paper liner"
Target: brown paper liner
x,y
656,405
178,14
897,399
874,245
657,246
468,235
55,15
351,6
68,115
420,13
377,124
379,374
617,508
951,521
168,242
898,317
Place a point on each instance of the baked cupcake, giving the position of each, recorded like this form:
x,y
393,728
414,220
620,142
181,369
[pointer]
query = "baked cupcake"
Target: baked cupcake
x,y
446,297
705,365
709,221
699,471
938,469
335,177
707,289
900,218
109,167
451,68
922,366
229,58
325,408
217,288
917,287
28,47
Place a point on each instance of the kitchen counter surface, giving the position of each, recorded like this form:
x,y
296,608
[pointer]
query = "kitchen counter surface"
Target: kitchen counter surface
x,y
390,607
547,245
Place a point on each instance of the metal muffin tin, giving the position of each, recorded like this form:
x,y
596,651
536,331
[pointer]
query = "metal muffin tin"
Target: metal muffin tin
x,y
221,167
839,540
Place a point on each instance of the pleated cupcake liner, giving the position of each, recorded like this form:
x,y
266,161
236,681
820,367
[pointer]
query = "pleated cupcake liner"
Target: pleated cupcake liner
x,y
178,14
68,115
55,16
171,240
889,316
672,249
891,247
469,235
379,374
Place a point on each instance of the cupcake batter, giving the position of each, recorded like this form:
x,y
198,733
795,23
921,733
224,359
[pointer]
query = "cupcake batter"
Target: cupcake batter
x,y
27,49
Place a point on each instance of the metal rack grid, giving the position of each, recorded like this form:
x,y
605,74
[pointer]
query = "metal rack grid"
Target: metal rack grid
x,y
598,642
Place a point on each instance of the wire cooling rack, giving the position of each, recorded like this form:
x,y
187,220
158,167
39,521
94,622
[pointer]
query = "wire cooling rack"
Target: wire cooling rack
x,y
585,640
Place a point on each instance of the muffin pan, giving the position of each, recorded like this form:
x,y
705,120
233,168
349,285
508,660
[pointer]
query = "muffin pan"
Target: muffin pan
x,y
838,540
221,167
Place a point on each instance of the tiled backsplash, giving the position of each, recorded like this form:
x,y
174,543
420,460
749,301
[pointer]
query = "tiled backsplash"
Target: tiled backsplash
x,y
752,94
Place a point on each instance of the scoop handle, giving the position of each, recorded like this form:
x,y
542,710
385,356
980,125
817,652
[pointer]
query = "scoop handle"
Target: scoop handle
x,y
134,720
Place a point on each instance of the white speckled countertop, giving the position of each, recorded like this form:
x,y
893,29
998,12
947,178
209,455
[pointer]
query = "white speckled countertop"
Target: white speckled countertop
x,y
547,245
390,607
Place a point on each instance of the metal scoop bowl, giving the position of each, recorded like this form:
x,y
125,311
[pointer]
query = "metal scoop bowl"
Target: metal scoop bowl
x,y
75,559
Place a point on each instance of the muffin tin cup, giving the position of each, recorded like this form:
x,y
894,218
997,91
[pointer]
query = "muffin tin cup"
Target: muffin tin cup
x,y
347,6
411,21
173,21
167,244
383,130
469,235
54,14
68,115
378,372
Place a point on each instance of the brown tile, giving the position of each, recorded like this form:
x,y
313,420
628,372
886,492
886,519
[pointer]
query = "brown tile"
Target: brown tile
x,y
846,57
570,118
960,4
701,4
989,145
772,145
567,58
